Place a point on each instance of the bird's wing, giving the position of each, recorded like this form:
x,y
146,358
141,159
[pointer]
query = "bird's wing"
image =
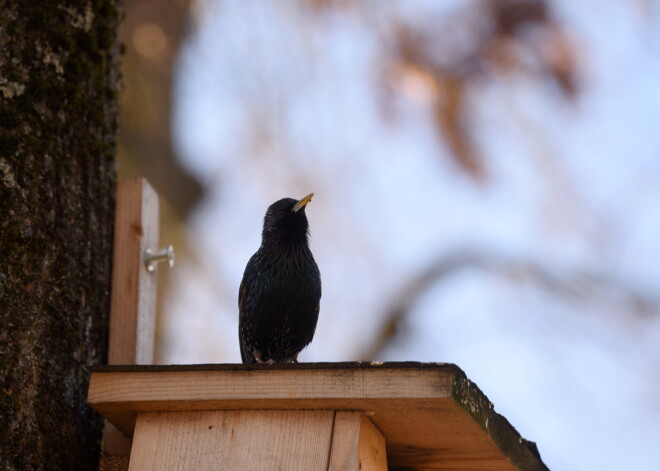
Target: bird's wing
x,y
242,295
244,357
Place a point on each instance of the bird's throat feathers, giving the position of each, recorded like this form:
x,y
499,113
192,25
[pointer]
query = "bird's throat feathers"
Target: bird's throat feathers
x,y
285,241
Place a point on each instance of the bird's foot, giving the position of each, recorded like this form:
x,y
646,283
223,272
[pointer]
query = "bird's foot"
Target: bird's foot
x,y
294,359
257,356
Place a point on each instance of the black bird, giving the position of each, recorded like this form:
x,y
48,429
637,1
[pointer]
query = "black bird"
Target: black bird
x,y
279,297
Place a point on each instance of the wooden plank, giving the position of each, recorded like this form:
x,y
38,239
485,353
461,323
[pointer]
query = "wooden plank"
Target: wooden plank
x,y
204,389
133,297
115,443
431,415
372,452
133,300
356,444
345,442
211,440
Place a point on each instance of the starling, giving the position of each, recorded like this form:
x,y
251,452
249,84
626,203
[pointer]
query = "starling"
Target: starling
x,y
279,297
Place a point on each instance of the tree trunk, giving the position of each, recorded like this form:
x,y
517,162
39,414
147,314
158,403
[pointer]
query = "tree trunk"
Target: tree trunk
x,y
58,113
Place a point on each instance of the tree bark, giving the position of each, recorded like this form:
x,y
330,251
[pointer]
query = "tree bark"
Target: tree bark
x,y
58,113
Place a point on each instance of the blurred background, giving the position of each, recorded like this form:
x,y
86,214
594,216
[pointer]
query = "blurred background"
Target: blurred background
x,y
487,179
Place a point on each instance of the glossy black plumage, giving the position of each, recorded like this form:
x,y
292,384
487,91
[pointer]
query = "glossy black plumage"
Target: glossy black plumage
x,y
280,292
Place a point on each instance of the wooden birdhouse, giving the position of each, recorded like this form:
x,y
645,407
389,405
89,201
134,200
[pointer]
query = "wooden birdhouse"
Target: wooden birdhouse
x,y
319,416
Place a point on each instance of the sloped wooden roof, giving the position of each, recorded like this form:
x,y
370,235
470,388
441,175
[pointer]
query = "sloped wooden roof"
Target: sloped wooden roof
x,y
431,415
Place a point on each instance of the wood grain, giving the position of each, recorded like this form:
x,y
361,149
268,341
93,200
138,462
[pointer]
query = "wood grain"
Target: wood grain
x,y
232,440
133,299
133,296
356,444
430,415
203,389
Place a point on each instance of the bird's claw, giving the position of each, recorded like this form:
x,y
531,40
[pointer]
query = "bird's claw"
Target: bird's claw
x,y
257,356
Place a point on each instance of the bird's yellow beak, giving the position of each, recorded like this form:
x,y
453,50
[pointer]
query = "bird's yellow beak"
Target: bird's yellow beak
x,y
302,203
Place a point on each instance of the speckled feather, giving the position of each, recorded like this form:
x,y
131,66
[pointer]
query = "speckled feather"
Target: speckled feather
x,y
280,292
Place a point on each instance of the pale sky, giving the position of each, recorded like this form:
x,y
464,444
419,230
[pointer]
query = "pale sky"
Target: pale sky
x,y
574,188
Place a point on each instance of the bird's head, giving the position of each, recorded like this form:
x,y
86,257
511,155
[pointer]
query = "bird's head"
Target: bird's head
x,y
285,223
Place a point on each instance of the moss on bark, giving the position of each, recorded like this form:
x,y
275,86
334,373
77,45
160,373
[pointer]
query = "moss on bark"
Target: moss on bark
x,y
58,113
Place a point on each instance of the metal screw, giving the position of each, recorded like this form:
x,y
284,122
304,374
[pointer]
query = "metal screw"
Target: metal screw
x,y
150,258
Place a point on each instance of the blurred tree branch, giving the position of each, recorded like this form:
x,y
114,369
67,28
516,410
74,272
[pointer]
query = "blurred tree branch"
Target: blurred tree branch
x,y
444,59
574,285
